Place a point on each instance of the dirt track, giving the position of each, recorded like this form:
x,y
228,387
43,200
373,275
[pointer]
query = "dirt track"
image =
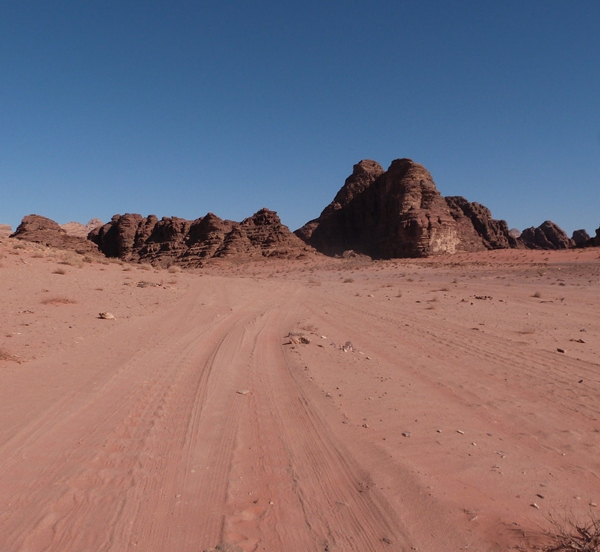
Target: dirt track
x,y
141,436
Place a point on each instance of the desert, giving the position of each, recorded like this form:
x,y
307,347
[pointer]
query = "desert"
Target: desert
x,y
315,403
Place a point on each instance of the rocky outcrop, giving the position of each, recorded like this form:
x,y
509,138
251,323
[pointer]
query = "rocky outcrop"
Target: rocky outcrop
x,y
363,175
81,230
170,240
38,229
581,238
396,213
596,240
476,225
546,236
400,213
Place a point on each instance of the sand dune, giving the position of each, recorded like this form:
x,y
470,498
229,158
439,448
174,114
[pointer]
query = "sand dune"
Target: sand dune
x,y
452,421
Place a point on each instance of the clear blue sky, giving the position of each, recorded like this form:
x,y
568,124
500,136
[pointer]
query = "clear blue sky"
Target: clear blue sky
x,y
184,107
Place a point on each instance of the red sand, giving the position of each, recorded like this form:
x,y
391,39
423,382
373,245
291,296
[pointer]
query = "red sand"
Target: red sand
x,y
451,415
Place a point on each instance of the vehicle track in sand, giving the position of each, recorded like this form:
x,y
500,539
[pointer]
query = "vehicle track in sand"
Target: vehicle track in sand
x,y
158,450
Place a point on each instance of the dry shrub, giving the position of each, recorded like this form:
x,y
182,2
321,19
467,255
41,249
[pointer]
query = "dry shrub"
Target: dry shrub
x,y
145,266
313,282
572,534
348,280
58,301
537,295
174,269
59,271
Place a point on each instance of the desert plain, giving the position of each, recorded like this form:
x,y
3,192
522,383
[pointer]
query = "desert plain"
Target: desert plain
x,y
310,405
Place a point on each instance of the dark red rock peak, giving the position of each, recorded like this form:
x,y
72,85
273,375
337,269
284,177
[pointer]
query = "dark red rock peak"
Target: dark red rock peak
x,y
400,213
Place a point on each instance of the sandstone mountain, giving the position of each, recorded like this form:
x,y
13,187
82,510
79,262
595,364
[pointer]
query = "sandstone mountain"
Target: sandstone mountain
x,y
546,236
400,213
170,240
38,229
581,238
81,230
477,226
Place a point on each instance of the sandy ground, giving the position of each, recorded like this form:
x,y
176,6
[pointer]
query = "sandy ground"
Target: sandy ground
x,y
440,405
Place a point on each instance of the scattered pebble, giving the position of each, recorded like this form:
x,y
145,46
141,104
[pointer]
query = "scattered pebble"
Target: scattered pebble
x,y
406,433
534,505
561,350
106,316
243,392
460,431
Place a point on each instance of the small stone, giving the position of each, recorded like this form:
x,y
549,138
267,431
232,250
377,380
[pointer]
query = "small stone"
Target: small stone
x,y
561,350
459,431
438,430
365,425
243,392
406,433
106,316
534,505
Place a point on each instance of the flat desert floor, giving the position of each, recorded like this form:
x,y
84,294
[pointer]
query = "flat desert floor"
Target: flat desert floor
x,y
315,405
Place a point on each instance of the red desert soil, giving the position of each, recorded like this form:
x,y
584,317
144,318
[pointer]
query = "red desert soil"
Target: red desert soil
x,y
464,412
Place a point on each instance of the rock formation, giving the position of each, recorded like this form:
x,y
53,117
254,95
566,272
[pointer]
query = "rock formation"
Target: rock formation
x,y
479,226
38,229
132,237
363,175
546,236
581,238
400,213
596,240
81,230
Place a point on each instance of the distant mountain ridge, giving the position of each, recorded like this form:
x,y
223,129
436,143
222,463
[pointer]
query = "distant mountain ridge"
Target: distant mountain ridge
x,y
398,213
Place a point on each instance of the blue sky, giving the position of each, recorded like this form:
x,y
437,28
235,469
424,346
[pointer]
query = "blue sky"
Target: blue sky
x,y
184,107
